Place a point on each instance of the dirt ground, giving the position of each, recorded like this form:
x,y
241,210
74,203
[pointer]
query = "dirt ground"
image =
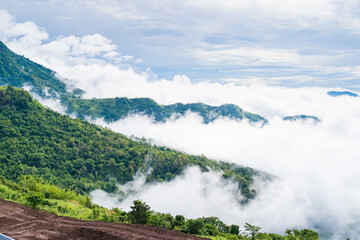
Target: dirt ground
x,y
20,222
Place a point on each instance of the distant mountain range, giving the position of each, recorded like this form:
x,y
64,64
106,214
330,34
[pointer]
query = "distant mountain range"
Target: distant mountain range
x,y
113,109
18,71
301,117
342,93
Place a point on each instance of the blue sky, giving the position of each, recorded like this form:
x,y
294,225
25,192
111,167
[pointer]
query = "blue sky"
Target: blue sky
x,y
275,42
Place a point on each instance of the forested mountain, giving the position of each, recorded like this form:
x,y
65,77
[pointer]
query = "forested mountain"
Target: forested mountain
x,y
18,71
75,154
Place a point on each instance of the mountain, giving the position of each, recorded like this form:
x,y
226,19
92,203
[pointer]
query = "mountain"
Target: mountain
x,y
301,117
342,93
74,154
18,71
112,109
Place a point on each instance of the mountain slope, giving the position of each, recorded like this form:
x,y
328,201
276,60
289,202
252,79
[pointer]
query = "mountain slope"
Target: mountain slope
x,y
18,71
21,222
72,153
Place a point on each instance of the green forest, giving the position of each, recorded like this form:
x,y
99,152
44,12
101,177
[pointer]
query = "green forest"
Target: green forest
x,y
77,155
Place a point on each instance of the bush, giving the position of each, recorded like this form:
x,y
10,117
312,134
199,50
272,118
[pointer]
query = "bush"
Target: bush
x,y
34,200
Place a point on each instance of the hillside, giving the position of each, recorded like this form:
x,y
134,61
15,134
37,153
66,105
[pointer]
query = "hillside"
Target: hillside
x,y
18,71
74,154
21,222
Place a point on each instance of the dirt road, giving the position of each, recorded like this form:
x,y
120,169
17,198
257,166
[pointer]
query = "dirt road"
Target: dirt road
x,y
20,222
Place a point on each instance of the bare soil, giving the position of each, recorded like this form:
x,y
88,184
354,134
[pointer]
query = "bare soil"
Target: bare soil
x,y
21,222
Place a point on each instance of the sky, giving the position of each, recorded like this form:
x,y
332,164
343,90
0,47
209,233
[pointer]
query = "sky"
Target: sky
x,y
273,58
275,42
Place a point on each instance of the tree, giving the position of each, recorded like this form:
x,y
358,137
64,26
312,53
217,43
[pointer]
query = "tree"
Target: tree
x,y
194,226
234,229
179,220
139,213
88,202
304,234
252,230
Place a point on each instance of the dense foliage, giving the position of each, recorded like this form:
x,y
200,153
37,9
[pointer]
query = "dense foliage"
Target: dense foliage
x,y
74,154
112,109
36,193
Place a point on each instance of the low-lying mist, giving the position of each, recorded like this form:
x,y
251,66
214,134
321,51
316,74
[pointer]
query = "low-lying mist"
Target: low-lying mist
x,y
316,164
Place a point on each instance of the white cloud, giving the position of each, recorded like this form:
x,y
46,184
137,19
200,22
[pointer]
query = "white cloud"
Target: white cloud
x,y
298,12
6,19
25,34
248,56
111,54
269,80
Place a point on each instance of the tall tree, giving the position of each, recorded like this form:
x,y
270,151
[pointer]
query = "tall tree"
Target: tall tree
x,y
139,213
252,230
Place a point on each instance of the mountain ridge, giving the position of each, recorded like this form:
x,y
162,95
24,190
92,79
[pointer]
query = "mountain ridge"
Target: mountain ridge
x,y
342,93
112,109
18,71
